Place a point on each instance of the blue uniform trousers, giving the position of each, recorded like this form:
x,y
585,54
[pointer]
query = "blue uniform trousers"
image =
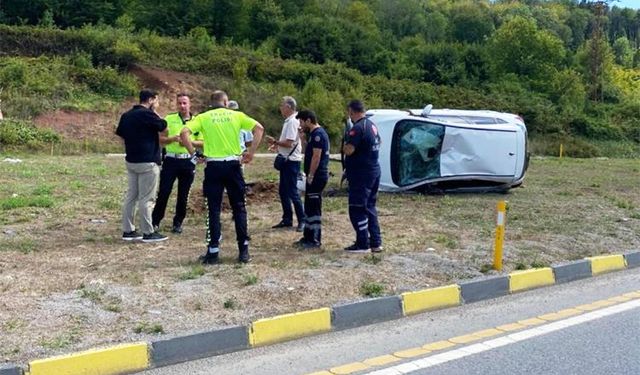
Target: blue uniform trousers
x,y
363,194
313,209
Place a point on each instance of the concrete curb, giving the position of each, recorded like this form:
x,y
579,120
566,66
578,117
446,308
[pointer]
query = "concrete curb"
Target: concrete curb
x,y
289,326
199,345
485,288
10,369
572,271
126,358
632,259
606,263
530,279
366,312
431,299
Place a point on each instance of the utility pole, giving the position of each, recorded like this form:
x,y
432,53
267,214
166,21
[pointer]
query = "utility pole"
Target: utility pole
x,y
597,50
597,53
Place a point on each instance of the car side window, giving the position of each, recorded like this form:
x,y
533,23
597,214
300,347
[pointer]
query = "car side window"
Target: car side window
x,y
416,151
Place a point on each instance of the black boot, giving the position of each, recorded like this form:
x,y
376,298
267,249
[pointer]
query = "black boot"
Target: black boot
x,y
244,256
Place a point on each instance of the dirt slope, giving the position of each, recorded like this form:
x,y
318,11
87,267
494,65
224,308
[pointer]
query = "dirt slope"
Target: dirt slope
x,y
101,125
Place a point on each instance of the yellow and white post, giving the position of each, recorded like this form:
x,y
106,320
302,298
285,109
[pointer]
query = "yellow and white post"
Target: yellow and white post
x,y
500,223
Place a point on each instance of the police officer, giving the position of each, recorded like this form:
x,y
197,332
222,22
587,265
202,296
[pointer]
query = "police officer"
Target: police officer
x,y
220,128
177,165
362,143
316,167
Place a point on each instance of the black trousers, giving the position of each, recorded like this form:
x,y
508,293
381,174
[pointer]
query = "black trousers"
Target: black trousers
x,y
183,170
313,209
220,175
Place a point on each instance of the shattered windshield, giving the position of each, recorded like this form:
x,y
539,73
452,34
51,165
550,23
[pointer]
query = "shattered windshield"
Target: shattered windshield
x,y
416,151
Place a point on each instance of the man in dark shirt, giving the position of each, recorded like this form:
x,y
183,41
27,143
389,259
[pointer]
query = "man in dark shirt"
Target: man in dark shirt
x,y
362,144
316,167
140,128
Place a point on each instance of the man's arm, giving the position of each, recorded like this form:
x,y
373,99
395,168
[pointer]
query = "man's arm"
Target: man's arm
x,y
290,135
185,139
348,149
258,131
165,139
315,162
286,143
352,139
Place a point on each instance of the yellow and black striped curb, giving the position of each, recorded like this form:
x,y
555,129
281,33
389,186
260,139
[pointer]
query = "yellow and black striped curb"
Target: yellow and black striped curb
x,y
128,358
475,342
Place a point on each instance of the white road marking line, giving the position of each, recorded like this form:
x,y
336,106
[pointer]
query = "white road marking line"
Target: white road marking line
x,y
487,345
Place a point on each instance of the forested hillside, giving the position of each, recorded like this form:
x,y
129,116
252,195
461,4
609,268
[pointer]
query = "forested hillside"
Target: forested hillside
x,y
571,69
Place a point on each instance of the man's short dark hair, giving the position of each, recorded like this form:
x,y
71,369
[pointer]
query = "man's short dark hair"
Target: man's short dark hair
x,y
307,114
183,94
147,94
218,96
356,106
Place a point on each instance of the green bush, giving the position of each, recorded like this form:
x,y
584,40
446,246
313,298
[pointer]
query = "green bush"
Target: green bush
x,y
14,132
125,53
108,81
13,73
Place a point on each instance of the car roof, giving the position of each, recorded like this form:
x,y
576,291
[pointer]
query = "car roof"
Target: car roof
x,y
454,116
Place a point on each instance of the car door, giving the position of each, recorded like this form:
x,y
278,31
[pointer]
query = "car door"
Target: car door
x,y
478,151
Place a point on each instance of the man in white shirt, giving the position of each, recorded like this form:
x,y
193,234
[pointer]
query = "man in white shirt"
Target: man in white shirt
x,y
246,137
289,147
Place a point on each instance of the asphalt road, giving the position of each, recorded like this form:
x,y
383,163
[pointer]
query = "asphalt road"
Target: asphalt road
x,y
608,344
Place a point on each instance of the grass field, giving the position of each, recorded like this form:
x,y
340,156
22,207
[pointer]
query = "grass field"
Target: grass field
x,y
68,282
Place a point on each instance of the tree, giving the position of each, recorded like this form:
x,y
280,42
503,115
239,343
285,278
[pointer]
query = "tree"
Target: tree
x,y
437,30
623,52
471,23
519,47
318,40
578,21
402,17
265,20
359,13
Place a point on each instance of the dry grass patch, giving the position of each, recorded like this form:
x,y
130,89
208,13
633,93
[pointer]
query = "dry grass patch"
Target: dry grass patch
x,y
67,281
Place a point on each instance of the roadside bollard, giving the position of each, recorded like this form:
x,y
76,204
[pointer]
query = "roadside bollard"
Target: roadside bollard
x,y
561,150
500,222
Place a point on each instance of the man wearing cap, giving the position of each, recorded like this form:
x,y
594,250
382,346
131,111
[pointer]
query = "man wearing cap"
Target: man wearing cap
x,y
316,167
289,147
362,144
140,128
220,128
177,164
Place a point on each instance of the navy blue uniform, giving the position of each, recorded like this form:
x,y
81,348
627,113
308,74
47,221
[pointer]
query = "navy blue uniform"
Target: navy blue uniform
x,y
318,139
363,174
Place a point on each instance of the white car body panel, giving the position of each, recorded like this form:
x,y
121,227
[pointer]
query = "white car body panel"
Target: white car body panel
x,y
483,147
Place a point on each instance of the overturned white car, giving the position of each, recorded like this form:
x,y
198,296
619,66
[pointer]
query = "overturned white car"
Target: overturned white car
x,y
437,150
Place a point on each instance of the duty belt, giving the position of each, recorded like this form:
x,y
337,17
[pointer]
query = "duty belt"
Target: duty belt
x,y
178,156
228,158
